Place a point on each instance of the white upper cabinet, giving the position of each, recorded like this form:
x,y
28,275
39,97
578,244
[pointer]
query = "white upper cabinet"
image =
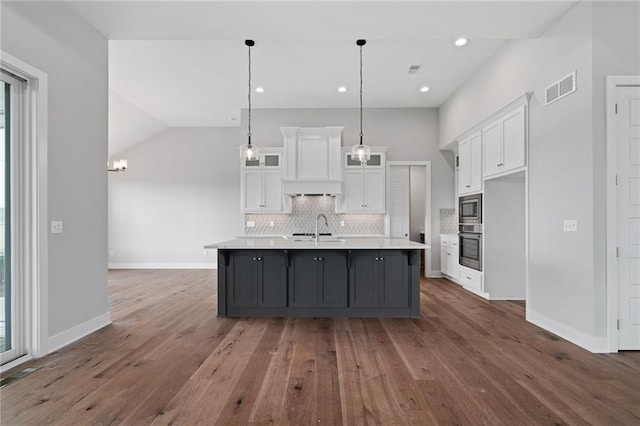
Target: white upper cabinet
x,y
470,165
364,185
261,184
504,143
312,160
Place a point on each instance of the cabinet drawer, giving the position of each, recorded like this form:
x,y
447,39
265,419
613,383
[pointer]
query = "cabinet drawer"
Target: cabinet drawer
x,y
471,278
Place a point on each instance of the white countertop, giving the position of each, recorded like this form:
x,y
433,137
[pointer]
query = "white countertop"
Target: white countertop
x,y
324,243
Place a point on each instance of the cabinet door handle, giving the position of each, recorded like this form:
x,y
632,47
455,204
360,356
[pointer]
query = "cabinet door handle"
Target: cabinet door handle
x,y
500,164
468,186
468,278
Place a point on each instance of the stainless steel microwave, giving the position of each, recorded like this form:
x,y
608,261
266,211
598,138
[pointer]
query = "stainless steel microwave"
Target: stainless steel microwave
x,y
470,209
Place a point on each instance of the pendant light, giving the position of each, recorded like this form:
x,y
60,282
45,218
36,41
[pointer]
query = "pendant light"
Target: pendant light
x,y
361,152
249,151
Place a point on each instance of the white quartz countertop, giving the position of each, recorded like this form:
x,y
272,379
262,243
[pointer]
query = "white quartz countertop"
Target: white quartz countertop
x,y
324,243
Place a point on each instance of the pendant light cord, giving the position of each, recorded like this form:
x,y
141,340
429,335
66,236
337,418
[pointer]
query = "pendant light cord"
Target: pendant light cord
x,y
361,94
249,97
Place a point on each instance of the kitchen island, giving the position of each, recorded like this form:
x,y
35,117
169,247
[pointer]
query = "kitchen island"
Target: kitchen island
x,y
287,277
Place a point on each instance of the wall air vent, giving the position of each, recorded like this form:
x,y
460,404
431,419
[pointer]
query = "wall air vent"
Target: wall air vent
x,y
561,88
413,69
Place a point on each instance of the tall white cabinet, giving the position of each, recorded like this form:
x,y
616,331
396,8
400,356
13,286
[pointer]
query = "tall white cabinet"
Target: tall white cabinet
x,y
364,185
504,143
261,184
470,166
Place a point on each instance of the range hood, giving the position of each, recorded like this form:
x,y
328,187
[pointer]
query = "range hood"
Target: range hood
x,y
312,160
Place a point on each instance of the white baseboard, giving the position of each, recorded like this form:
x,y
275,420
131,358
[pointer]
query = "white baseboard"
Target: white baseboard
x,y
208,265
477,292
586,341
66,337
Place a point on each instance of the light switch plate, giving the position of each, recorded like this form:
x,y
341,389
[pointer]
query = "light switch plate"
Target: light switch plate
x,y
56,227
250,224
342,223
570,225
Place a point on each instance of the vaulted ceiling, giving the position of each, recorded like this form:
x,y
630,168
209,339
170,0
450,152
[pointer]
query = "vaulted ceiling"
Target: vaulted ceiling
x,y
184,63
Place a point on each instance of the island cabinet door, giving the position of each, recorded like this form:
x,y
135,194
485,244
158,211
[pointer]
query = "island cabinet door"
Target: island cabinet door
x,y
363,279
303,279
272,278
242,278
394,279
332,279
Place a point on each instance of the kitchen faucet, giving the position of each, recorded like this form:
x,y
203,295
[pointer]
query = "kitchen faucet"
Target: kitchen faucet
x,y
326,223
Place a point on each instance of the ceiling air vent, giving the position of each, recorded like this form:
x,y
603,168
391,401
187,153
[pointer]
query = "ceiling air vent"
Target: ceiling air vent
x,y
414,69
561,88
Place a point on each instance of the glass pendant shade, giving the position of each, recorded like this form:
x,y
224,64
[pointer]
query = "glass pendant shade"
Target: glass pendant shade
x,y
361,153
249,152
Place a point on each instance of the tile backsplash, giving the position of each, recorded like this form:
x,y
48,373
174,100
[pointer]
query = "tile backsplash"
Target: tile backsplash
x,y
304,210
448,221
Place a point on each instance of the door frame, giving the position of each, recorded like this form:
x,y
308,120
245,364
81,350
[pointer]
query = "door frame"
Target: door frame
x,y
428,271
33,271
612,84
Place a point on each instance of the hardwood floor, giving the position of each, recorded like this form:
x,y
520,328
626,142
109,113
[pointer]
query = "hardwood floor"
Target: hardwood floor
x,y
167,359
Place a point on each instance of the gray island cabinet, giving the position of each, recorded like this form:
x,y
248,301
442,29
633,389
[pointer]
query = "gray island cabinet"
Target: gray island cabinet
x,y
288,278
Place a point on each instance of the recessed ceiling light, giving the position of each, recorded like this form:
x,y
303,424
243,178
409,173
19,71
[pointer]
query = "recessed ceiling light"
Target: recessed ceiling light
x,y
342,89
259,89
424,89
461,41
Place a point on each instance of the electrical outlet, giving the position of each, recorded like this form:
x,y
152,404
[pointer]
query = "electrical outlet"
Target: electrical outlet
x,y
570,225
56,227
271,224
251,224
342,223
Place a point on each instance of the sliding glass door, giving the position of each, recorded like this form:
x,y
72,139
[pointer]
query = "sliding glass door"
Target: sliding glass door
x,y
11,301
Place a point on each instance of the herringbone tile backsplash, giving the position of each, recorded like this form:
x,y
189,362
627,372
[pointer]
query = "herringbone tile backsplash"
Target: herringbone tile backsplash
x,y
304,211
448,221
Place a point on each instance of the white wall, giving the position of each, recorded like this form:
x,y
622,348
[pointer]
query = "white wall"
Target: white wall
x,y
52,38
410,133
180,192
566,155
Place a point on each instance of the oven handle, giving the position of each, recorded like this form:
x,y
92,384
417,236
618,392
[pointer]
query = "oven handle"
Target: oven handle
x,y
470,235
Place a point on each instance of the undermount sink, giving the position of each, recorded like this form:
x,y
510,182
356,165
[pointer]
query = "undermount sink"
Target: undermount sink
x,y
321,240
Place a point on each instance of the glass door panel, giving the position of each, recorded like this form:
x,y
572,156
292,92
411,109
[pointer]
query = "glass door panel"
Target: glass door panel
x,y
6,308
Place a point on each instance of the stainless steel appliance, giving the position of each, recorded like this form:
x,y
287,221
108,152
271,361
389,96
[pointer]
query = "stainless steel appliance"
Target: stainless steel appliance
x,y
470,209
470,246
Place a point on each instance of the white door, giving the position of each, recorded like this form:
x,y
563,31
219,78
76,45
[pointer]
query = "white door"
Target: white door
x,y
628,133
399,206
353,198
464,170
513,131
492,139
252,201
374,190
272,182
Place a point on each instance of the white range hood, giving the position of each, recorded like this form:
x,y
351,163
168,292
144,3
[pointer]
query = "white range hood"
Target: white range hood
x,y
312,160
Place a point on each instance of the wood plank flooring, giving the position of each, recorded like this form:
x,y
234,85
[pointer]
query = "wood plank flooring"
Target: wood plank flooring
x,y
167,359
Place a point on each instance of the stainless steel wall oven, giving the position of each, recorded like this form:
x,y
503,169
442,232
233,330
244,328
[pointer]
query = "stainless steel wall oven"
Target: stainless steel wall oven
x,y
470,246
470,209
470,227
